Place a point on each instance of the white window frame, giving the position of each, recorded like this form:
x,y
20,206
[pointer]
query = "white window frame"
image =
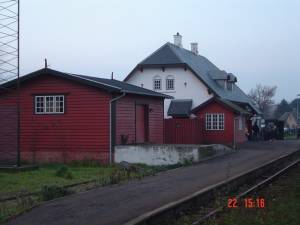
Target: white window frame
x,y
157,79
48,104
172,80
214,121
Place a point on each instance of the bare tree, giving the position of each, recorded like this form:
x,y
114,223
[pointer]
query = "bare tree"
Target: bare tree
x,y
263,96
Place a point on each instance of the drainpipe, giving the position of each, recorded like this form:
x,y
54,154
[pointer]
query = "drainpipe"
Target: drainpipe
x,y
110,125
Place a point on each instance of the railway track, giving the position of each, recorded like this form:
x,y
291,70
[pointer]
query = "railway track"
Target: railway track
x,y
260,185
211,201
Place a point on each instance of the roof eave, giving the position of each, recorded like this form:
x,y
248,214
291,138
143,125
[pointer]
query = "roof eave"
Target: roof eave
x,y
256,110
152,95
196,109
61,75
179,115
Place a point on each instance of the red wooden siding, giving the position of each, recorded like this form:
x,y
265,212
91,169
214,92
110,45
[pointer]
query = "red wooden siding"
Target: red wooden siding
x,y
81,133
156,121
125,118
8,134
140,123
183,131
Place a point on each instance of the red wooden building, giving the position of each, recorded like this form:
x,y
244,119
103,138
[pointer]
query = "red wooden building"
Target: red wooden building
x,y
222,121
67,117
216,121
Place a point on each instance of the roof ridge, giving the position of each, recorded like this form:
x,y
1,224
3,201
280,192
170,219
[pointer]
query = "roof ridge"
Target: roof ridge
x,y
192,54
164,45
82,77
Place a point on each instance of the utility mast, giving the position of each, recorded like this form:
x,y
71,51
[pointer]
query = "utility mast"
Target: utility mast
x,y
9,39
10,52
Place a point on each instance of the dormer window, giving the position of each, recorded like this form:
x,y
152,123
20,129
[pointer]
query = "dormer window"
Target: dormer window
x,y
157,83
170,83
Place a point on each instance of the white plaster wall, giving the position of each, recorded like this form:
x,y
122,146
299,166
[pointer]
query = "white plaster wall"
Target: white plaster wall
x,y
194,89
153,155
166,154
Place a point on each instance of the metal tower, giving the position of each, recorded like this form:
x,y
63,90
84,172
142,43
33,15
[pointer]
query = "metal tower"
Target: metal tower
x,y
10,54
9,39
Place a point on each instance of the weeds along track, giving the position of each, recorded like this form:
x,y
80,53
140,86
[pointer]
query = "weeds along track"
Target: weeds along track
x,y
211,201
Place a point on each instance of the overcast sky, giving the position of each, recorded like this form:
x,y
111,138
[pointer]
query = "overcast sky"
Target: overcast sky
x,y
257,40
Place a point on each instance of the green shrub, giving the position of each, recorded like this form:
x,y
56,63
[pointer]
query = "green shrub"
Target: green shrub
x,y
52,191
64,172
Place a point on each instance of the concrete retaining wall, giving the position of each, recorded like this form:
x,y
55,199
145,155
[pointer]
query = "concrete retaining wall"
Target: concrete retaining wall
x,y
168,154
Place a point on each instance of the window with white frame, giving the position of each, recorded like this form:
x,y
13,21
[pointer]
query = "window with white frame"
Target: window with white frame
x,y
170,83
50,104
157,83
214,121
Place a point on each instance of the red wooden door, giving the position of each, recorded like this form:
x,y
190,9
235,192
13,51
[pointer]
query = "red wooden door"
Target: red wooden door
x,y
140,124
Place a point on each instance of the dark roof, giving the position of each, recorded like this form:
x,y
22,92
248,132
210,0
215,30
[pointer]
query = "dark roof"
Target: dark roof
x,y
106,84
180,108
218,74
125,87
170,54
232,106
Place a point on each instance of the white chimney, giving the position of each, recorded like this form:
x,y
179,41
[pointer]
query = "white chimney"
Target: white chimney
x,y
194,47
178,40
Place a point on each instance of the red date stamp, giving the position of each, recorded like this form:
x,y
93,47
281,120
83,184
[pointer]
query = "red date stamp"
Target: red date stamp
x,y
246,202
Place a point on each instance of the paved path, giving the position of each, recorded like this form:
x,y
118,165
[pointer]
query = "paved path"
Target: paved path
x,y
118,204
